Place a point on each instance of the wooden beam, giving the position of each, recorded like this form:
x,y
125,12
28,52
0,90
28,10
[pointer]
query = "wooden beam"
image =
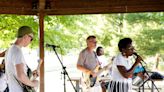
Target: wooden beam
x,y
22,7
62,7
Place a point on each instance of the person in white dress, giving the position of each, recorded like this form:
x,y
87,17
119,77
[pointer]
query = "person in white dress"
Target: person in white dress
x,y
122,68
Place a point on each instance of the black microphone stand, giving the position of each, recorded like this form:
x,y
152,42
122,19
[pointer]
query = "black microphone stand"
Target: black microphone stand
x,y
64,71
149,78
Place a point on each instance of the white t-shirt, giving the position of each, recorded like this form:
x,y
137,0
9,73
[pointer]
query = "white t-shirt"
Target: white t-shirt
x,y
13,57
3,82
103,61
123,61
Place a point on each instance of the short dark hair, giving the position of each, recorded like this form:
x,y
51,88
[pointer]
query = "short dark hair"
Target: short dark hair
x,y
98,49
123,43
91,36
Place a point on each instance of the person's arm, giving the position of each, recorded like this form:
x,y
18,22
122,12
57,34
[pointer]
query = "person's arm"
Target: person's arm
x,y
80,64
2,54
85,70
22,77
129,73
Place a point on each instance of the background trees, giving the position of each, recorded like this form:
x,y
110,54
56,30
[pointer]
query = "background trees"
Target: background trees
x,y
70,32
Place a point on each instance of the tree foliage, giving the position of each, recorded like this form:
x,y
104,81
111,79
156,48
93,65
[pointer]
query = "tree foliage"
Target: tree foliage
x,y
9,25
70,31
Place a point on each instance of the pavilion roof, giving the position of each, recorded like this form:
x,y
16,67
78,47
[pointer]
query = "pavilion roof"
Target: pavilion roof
x,y
64,7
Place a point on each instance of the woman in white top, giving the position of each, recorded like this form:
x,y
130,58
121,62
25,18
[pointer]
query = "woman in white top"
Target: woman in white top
x,y
122,69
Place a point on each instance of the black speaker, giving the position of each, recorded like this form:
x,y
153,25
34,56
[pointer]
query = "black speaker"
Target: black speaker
x,y
156,75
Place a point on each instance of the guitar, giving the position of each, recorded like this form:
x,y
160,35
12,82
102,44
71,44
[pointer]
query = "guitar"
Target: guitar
x,y
89,80
28,88
37,70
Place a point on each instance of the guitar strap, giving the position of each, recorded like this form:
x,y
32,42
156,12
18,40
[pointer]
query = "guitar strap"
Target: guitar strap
x,y
18,81
97,58
97,61
23,86
29,73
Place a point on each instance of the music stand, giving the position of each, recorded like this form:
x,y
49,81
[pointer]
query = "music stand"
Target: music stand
x,y
64,71
149,78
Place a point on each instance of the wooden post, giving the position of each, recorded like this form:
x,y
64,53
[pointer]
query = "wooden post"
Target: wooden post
x,y
41,48
41,43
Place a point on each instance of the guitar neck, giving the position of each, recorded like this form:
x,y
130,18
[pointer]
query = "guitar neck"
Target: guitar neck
x,y
37,69
104,68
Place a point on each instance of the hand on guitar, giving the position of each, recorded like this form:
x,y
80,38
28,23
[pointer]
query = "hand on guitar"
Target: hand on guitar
x,y
35,74
93,74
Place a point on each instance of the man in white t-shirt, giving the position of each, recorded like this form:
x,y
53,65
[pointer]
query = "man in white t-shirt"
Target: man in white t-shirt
x,y
122,69
100,54
103,62
16,67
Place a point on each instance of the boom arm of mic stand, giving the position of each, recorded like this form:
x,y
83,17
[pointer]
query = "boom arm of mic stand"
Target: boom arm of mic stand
x,y
64,71
149,78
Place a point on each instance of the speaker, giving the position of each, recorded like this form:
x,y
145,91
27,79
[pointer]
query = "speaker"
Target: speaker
x,y
156,75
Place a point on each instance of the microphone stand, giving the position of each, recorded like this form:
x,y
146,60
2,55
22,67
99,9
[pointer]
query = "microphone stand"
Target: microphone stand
x,y
64,72
149,78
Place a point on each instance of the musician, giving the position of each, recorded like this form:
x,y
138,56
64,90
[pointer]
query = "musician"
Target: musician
x,y
103,63
3,79
100,54
16,67
122,69
87,62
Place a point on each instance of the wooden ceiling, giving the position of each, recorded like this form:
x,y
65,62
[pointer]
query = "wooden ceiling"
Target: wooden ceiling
x,y
64,7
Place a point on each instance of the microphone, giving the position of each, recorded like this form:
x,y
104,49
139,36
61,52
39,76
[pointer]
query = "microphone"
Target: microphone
x,y
137,56
53,46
